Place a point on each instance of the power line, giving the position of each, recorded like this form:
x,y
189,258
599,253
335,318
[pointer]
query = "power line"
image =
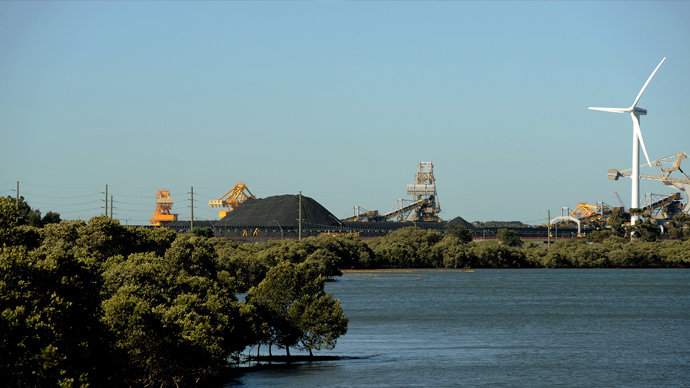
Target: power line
x,y
84,210
136,204
59,187
149,197
64,204
23,193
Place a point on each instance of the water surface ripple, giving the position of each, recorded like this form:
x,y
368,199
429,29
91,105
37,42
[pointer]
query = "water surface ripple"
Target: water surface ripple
x,y
504,328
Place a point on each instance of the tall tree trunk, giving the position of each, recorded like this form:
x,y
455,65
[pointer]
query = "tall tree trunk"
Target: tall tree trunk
x,y
287,349
310,353
270,354
257,350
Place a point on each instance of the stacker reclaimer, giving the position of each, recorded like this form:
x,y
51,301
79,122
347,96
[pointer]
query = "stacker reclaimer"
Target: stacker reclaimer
x,y
163,207
232,199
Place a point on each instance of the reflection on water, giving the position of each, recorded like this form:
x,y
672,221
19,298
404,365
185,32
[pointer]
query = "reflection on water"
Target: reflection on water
x,y
575,328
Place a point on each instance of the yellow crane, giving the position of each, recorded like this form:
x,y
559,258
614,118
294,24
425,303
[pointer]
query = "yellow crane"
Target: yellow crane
x,y
583,210
232,199
163,207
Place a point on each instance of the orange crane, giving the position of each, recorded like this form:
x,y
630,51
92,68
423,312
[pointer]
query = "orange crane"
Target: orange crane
x,y
583,210
232,199
163,207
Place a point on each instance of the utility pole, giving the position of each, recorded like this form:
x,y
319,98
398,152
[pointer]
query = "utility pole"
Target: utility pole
x,y
18,216
111,207
191,224
548,222
106,200
299,235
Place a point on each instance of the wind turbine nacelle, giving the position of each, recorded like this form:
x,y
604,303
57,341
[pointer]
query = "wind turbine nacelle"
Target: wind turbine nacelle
x,y
639,111
614,174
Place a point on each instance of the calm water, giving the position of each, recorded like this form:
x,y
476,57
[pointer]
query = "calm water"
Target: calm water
x,y
505,328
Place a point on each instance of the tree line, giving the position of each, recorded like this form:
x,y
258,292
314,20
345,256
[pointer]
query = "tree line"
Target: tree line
x,y
416,248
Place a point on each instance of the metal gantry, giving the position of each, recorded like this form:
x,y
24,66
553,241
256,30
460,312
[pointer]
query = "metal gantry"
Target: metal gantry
x,y
232,199
666,167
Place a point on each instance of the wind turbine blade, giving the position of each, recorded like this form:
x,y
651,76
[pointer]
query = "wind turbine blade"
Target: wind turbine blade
x,y
638,133
645,86
614,110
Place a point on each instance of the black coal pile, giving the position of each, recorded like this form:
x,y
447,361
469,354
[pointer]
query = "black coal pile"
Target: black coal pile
x,y
280,209
459,221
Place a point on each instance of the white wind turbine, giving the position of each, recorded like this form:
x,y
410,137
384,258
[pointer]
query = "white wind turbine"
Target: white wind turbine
x,y
635,113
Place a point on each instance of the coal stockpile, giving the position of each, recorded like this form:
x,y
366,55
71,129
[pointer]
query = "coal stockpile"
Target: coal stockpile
x,y
280,209
459,221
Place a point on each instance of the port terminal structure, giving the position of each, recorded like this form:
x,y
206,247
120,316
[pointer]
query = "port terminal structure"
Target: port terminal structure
x,y
659,207
666,166
162,213
233,198
424,207
278,217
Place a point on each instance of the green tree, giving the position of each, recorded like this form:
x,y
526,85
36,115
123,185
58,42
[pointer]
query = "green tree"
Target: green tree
x,y
324,262
492,255
284,284
509,238
455,253
679,227
49,327
351,251
8,219
51,218
288,300
176,318
202,232
102,238
646,230
28,216
615,222
244,262
409,247
461,232
320,319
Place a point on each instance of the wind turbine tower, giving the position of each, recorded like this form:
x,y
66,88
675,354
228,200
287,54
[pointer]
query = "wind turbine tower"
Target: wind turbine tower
x,y
635,113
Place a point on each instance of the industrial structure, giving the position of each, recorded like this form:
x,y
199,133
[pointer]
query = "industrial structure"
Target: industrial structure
x,y
595,216
424,193
423,207
164,205
586,216
669,205
658,207
289,216
230,200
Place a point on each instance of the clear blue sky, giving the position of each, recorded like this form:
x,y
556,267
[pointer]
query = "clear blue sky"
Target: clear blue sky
x,y
340,100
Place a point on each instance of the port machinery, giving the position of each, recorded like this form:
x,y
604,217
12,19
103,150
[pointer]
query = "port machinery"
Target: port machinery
x,y
660,207
162,213
670,204
423,207
230,200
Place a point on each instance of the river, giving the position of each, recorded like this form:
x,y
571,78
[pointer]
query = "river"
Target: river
x,y
503,328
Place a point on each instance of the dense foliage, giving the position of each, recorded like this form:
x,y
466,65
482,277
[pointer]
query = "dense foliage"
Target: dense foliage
x,y
414,247
104,305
